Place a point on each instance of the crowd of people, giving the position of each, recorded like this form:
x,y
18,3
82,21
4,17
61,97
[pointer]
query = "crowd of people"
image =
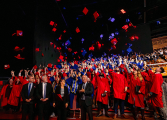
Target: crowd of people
x,y
106,82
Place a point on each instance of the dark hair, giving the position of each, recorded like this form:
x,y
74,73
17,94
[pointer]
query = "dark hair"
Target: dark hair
x,y
61,81
162,69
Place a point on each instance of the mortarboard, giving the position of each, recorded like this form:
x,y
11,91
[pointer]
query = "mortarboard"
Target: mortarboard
x,y
51,23
54,29
96,15
123,11
35,67
19,33
77,30
19,57
49,65
18,48
36,49
85,10
6,66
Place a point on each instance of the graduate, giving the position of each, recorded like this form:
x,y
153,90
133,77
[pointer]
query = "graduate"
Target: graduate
x,y
103,90
73,81
10,94
136,95
119,90
156,91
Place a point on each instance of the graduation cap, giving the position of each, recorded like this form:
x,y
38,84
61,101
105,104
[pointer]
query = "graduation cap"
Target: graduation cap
x,y
54,29
60,37
130,24
6,66
129,50
75,52
101,36
19,32
36,49
18,48
123,11
125,27
113,47
61,57
67,43
58,48
91,48
111,19
82,40
77,30
69,49
51,43
85,10
114,41
84,53
98,44
116,33
19,57
96,15
127,20
129,44
112,34
35,67
54,46
51,23
64,31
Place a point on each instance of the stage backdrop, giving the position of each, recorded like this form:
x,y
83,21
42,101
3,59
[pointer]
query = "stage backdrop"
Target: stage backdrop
x,y
44,35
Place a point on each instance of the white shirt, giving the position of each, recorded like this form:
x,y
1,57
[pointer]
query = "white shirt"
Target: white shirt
x,y
43,87
83,86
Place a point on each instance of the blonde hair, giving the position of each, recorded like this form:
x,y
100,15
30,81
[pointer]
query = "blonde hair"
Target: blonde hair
x,y
139,75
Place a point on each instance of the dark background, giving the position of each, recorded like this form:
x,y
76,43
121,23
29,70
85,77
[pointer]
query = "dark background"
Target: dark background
x,y
34,16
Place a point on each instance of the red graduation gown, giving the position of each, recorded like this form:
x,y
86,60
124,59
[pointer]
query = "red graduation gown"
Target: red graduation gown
x,y
157,90
103,86
147,82
136,98
14,95
94,83
119,84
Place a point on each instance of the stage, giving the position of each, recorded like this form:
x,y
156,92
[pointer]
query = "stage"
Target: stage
x,y
17,116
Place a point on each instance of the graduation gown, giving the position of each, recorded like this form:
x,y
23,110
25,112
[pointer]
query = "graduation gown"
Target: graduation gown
x,y
103,86
156,98
13,97
147,82
74,87
94,83
136,98
119,84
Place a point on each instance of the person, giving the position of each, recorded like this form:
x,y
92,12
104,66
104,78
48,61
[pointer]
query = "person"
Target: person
x,y
85,91
44,92
120,86
156,91
136,96
103,90
164,98
28,94
9,95
61,100
73,81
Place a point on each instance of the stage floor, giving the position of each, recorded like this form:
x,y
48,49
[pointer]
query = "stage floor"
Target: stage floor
x,y
17,116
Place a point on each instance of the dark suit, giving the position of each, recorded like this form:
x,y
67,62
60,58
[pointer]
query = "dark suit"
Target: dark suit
x,y
60,103
86,105
43,109
28,106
